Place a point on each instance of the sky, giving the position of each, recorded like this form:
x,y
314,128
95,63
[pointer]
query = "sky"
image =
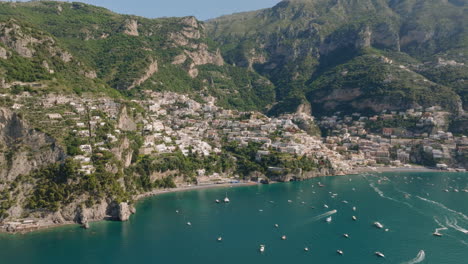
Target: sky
x,y
202,9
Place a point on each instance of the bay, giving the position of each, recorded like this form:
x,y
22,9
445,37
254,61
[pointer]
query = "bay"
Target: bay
x,y
410,205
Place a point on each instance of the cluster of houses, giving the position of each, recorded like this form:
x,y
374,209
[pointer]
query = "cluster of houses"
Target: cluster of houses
x,y
173,122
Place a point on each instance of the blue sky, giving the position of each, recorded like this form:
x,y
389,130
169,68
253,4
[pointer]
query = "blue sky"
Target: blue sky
x,y
202,9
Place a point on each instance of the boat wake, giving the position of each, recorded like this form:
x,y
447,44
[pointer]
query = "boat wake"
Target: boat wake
x,y
453,223
419,258
441,228
318,217
381,194
443,207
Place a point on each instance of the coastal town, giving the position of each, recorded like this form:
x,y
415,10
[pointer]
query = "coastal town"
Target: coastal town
x,y
169,122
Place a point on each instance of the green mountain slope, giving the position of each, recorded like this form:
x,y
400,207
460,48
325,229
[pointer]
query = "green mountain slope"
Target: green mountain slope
x,y
300,45
127,53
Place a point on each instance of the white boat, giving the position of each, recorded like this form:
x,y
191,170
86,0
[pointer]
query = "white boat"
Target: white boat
x,y
354,208
378,225
345,201
306,249
354,218
380,254
437,234
189,224
226,199
220,239
217,201
329,219
339,252
346,235
283,238
276,225
325,206
262,248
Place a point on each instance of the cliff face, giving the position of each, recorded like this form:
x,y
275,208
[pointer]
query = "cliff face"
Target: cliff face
x,y
23,148
320,48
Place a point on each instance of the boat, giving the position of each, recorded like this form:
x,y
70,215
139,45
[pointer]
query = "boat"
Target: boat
x,y
289,201
354,218
306,249
380,254
276,225
189,224
354,208
346,235
345,201
283,238
437,234
325,206
220,239
329,219
226,199
262,248
217,201
378,225
339,252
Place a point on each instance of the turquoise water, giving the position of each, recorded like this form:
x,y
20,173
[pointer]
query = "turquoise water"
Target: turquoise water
x,y
410,205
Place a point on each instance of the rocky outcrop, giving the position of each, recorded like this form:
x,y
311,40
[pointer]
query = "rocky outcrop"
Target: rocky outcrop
x,y
3,53
125,211
12,35
152,69
125,122
24,149
131,27
203,56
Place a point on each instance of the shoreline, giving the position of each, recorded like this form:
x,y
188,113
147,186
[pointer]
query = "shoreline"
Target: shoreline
x,y
47,225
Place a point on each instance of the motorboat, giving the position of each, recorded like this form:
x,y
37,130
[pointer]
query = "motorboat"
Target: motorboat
x,y
283,238
354,218
339,252
306,249
262,248
219,239
437,234
217,201
189,224
378,225
226,199
325,206
380,254
346,235
354,208
276,225
329,219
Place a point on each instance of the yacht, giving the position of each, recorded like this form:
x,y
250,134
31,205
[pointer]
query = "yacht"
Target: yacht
x,y
262,248
380,254
339,252
329,219
378,225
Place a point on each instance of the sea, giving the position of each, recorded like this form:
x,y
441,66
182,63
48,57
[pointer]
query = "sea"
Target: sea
x,y
411,206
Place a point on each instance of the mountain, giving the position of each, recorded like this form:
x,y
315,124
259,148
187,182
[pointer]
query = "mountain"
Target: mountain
x,y
82,48
354,55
